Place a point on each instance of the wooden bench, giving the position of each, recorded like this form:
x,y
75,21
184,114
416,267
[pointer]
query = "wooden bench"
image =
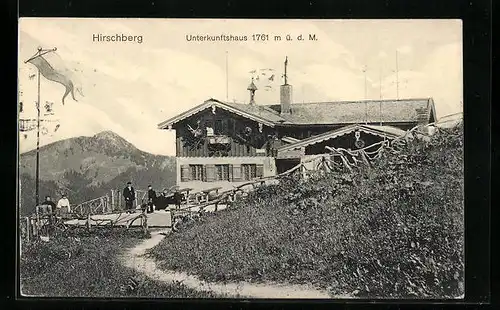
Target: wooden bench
x,y
205,194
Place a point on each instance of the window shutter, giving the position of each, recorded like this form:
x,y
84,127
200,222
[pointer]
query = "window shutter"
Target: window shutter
x,y
236,171
204,173
230,172
259,172
185,173
210,173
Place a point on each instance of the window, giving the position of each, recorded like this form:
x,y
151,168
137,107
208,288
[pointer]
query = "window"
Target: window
x,y
249,172
222,172
196,172
221,127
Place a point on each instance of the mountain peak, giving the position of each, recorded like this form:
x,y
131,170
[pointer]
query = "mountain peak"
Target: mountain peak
x,y
108,134
111,138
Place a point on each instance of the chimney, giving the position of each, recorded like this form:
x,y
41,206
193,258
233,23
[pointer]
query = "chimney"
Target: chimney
x,y
286,93
252,88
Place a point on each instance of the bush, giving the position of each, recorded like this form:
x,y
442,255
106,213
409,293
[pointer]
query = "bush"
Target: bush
x,y
395,230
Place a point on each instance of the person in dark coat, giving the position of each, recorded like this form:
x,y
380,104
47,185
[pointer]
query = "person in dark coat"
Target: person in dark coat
x,y
48,202
177,199
151,199
129,195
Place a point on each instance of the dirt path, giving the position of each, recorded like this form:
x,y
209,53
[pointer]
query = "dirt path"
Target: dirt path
x,y
135,258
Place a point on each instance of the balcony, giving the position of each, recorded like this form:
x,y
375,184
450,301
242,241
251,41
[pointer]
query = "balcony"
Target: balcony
x,y
219,139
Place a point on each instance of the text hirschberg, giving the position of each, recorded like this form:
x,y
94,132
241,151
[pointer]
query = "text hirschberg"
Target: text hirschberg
x,y
116,38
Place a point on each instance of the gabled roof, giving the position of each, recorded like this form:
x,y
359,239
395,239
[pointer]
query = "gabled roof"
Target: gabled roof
x,y
324,113
383,131
257,113
356,112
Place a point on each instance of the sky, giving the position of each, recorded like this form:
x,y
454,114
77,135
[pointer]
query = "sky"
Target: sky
x,y
130,87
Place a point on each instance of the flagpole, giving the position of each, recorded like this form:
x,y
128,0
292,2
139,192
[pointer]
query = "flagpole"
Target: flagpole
x,y
40,52
397,76
38,139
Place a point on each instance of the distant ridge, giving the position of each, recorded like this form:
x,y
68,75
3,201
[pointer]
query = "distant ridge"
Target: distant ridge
x,y
86,167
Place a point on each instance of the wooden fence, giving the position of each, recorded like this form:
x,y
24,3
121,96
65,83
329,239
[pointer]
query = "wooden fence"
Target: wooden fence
x,y
241,191
38,223
98,205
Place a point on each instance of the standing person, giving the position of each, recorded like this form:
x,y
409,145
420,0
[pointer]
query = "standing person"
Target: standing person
x,y
129,195
48,208
151,199
177,199
63,206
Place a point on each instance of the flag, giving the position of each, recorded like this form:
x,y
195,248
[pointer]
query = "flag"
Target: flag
x,y
51,74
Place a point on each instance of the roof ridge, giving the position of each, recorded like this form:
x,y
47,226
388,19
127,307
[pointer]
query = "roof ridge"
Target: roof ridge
x,y
363,101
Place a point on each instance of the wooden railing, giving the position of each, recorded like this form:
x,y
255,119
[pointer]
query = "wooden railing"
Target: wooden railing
x,y
98,205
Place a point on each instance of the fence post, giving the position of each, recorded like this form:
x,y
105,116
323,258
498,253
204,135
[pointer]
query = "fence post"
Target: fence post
x,y
28,227
107,203
303,171
88,221
38,223
172,219
113,200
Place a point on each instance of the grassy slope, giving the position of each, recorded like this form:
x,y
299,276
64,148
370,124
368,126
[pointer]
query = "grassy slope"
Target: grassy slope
x,y
393,231
89,267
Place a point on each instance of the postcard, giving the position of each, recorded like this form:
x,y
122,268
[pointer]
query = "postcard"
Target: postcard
x,y
234,158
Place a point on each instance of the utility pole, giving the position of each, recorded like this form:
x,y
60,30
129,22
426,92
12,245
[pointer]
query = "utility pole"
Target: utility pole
x,y
397,76
364,71
366,102
380,94
227,78
380,83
